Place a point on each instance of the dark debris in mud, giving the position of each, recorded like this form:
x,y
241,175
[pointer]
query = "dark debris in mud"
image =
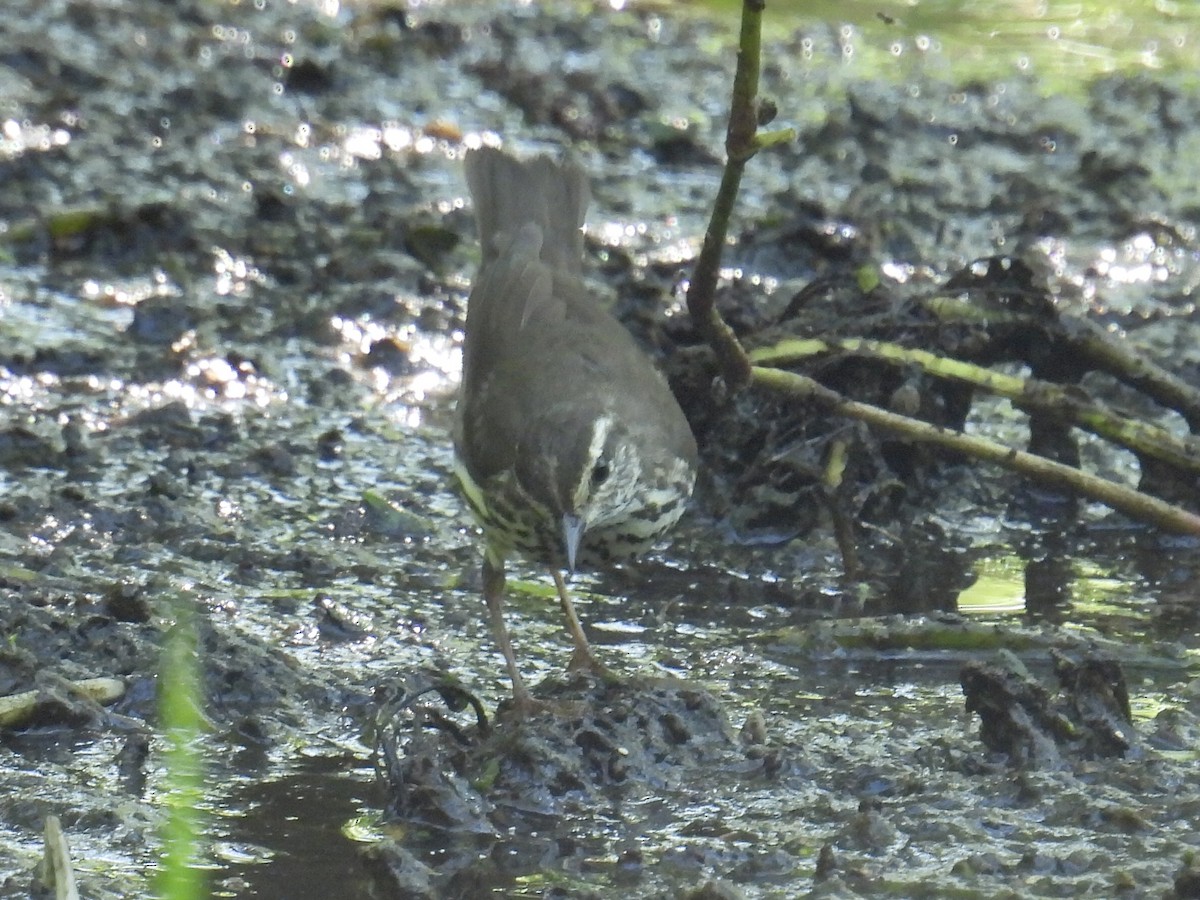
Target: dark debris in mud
x,y
998,312
1087,718
233,261
595,750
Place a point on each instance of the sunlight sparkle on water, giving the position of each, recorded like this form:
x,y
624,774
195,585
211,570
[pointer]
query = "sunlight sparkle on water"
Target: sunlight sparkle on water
x,y
211,381
617,234
21,389
368,142
129,293
363,143
234,273
436,359
17,138
1138,261
296,170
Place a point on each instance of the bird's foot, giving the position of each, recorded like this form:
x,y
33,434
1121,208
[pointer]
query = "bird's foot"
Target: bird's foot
x,y
585,662
527,708
524,706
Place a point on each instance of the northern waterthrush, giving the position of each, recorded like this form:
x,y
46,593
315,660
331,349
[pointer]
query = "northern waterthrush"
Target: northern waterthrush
x,y
569,445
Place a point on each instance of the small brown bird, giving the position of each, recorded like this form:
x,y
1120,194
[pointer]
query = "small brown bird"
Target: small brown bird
x,y
569,445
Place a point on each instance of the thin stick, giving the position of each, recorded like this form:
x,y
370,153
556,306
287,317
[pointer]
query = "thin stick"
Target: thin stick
x,y
1129,501
742,141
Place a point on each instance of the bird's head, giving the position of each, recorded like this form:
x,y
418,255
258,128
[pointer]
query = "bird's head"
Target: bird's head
x,y
588,472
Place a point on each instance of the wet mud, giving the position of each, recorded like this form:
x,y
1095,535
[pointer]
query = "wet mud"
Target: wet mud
x,y
234,261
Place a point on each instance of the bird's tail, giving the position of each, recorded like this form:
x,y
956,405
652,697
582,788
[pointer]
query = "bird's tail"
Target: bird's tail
x,y
509,193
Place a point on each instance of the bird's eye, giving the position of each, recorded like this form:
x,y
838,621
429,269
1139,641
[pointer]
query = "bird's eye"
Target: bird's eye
x,y
600,473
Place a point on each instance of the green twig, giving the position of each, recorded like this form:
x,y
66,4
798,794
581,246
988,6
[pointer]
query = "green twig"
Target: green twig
x,y
1131,367
16,709
1127,500
843,526
1033,395
1094,347
742,141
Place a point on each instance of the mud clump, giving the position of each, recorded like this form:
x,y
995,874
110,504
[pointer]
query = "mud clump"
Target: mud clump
x,y
594,750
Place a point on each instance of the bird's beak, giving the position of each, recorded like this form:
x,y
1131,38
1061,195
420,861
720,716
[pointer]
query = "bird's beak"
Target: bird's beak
x,y
573,528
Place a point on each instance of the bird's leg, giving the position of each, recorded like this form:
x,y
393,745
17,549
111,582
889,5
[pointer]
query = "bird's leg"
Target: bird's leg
x,y
582,658
493,595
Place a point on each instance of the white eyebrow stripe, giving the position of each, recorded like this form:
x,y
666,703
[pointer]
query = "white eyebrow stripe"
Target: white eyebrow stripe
x,y
600,429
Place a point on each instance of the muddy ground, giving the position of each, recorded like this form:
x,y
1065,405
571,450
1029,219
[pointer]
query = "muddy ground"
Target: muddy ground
x,y
234,260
